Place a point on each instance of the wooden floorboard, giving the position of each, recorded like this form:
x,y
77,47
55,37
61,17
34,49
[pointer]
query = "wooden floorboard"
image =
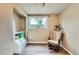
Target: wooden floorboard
x,y
40,50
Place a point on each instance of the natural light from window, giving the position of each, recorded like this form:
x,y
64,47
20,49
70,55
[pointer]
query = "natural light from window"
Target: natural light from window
x,y
36,22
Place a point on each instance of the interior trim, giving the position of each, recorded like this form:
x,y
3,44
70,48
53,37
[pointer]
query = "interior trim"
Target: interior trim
x,y
37,42
66,49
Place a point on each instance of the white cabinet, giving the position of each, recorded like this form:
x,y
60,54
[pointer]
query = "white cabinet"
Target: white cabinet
x,y
21,43
20,40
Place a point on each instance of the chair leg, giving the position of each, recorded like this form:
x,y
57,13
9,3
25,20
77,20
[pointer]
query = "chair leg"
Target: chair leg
x,y
56,48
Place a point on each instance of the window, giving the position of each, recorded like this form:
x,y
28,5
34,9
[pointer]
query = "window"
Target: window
x,y
37,22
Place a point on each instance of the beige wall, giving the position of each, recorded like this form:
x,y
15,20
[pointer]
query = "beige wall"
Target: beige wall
x,y
19,23
41,35
6,32
52,20
7,44
70,21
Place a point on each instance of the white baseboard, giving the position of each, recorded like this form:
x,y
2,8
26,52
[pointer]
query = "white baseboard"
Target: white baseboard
x,y
37,42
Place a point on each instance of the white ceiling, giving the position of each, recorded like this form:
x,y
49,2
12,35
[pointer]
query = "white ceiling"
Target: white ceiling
x,y
38,8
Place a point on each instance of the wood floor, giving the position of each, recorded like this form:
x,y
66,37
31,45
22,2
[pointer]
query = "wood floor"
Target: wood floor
x,y
40,50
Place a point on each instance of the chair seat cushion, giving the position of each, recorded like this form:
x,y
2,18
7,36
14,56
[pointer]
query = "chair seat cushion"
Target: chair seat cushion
x,y
53,42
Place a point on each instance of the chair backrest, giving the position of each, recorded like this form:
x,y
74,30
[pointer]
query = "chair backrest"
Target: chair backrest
x,y
50,35
60,41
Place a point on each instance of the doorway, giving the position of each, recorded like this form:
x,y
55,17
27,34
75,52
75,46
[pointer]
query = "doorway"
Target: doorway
x,y
19,28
